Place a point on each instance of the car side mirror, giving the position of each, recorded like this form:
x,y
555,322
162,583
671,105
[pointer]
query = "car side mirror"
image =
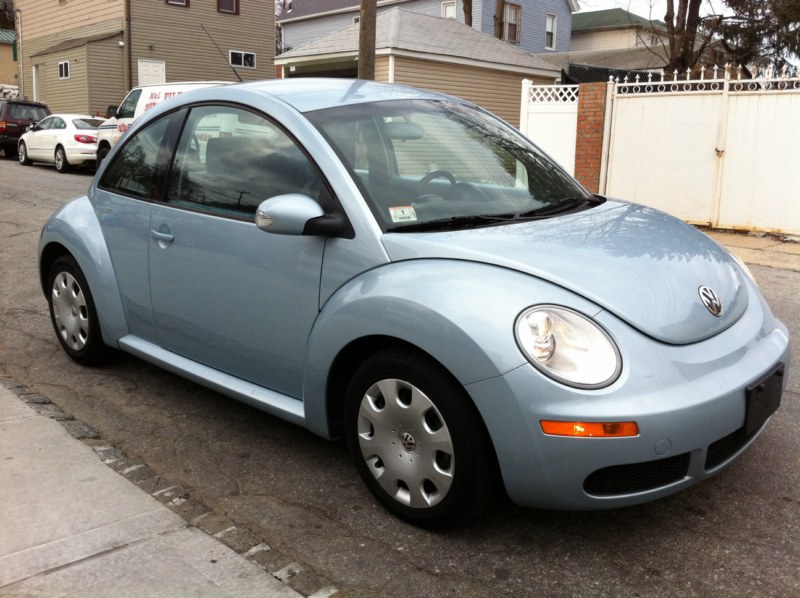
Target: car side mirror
x,y
111,112
297,214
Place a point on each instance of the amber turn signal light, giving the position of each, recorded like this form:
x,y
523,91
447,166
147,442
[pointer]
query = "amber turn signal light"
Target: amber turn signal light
x,y
590,429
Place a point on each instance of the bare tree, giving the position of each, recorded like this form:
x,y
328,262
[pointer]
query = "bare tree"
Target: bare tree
x,y
499,17
467,6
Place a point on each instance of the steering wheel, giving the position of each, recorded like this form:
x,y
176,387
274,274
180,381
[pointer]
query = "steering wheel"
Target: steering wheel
x,y
436,174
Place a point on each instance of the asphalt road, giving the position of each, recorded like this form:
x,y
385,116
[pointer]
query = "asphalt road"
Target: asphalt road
x,y
737,534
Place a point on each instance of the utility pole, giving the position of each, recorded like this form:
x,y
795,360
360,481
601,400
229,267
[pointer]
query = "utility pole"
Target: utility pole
x,y
366,40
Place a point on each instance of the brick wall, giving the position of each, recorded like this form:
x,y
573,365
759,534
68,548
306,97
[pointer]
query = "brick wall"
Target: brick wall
x,y
589,142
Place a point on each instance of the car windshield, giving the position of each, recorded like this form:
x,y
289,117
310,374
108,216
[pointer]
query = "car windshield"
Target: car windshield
x,y
87,123
426,165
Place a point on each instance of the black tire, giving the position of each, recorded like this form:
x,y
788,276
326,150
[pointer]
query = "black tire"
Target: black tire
x,y
73,313
418,441
102,152
10,151
60,157
23,155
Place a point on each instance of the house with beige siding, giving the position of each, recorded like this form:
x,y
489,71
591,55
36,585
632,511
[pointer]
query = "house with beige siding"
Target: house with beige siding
x,y
428,52
84,55
615,29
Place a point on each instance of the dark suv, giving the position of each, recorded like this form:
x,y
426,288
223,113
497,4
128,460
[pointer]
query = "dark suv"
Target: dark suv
x,y
15,117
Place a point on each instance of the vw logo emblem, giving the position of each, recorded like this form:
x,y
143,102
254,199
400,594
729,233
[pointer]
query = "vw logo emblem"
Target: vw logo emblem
x,y
710,300
408,442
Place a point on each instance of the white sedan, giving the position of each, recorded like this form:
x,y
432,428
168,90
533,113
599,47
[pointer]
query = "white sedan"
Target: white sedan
x,y
61,139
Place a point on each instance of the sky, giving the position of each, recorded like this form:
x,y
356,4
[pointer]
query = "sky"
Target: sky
x,y
642,7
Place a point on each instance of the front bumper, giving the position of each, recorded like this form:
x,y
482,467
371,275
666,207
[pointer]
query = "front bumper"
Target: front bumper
x,y
689,403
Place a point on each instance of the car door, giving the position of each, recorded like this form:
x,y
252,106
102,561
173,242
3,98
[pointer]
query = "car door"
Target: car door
x,y
123,198
37,139
51,137
224,293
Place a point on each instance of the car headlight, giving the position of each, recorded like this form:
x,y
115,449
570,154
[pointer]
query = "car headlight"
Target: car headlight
x,y
567,346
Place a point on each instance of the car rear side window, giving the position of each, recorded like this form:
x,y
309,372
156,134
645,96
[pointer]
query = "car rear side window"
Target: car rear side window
x,y
229,160
133,169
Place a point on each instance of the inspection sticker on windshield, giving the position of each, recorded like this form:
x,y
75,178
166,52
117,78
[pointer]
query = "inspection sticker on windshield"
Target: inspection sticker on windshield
x,y
403,214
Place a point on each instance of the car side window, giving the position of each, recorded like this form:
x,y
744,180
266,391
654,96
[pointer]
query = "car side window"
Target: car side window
x,y
128,106
133,169
229,160
45,124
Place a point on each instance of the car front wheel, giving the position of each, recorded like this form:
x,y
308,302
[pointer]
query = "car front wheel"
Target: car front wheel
x,y
417,440
22,153
73,313
62,165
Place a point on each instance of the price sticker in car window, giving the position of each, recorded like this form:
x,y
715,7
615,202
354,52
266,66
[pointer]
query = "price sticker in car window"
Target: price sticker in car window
x,y
403,214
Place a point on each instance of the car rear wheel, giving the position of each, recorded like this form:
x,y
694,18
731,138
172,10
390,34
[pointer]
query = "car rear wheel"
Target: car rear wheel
x,y
417,440
73,313
23,154
62,164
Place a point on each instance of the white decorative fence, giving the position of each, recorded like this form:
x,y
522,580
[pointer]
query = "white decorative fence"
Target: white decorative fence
x,y
721,151
549,116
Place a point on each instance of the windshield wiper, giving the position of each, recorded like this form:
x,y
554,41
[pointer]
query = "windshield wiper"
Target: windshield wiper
x,y
565,205
453,223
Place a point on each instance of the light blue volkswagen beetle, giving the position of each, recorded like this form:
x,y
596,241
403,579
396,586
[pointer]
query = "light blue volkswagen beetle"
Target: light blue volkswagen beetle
x,y
403,269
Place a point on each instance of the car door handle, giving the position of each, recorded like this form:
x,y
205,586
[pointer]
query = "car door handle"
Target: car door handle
x,y
162,237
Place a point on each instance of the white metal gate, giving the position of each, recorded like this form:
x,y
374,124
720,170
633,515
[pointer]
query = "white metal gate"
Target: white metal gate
x,y
721,152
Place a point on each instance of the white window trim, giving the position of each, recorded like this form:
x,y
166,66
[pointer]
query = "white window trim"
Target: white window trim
x,y
61,75
509,6
447,4
242,53
555,31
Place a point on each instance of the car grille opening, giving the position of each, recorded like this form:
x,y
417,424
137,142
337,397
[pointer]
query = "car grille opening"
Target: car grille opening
x,y
724,448
637,477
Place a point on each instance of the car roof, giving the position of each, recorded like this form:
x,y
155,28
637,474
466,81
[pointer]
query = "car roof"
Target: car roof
x,y
307,94
70,116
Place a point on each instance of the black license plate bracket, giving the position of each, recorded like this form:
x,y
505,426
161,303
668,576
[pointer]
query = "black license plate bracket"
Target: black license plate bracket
x,y
763,399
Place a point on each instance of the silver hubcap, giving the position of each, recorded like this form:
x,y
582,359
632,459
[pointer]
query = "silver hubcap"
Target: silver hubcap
x,y
22,152
406,444
70,312
59,159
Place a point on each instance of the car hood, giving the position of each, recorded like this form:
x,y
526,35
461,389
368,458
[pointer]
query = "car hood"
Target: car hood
x,y
638,263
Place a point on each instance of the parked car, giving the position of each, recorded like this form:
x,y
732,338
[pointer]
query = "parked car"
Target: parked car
x,y
15,118
62,139
138,101
405,270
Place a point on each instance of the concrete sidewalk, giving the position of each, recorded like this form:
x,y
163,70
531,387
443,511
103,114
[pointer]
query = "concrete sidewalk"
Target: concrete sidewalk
x,y
761,250
70,525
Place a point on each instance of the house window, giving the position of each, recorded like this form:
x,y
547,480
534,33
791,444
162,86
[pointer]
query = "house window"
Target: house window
x,y
229,6
63,70
356,19
550,32
243,59
512,19
178,2
449,10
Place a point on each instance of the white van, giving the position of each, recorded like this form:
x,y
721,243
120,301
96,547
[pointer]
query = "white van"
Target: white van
x,y
138,101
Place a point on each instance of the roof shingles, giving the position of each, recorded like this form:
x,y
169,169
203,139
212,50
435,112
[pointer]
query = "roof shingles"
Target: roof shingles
x,y
398,29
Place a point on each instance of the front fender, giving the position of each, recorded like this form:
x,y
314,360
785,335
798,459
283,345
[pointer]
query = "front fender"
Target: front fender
x,y
75,228
459,312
